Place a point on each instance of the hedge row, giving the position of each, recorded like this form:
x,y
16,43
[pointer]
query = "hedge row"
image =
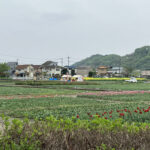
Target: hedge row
x,y
53,83
111,79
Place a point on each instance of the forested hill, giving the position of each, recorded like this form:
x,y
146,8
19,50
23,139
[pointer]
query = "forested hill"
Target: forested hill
x,y
140,59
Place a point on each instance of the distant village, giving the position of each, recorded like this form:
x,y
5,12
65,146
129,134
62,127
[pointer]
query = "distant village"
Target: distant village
x,y
51,70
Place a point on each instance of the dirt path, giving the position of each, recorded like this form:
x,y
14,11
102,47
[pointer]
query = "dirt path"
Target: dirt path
x,y
114,93
25,96
34,96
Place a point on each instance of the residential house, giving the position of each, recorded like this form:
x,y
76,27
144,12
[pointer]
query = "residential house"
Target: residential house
x,y
25,71
145,74
102,71
71,70
37,72
12,68
50,69
115,71
83,70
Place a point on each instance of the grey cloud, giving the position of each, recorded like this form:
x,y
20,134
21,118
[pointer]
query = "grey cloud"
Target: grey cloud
x,y
78,28
56,17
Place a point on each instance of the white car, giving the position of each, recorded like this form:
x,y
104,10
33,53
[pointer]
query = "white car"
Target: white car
x,y
132,79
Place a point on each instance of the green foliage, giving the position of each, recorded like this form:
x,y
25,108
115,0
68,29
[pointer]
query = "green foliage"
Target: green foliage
x,y
53,83
92,73
140,59
72,133
3,70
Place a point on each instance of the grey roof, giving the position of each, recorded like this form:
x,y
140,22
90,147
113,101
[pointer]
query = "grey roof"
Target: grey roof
x,y
12,63
48,63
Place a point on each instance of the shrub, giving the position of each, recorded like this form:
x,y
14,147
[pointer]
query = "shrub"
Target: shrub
x,y
74,134
53,83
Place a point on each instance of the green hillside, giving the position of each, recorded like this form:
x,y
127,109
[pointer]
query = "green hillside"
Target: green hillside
x,y
140,59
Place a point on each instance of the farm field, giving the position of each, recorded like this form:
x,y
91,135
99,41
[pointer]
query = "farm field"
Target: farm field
x,y
109,85
67,107
109,115
63,103
34,91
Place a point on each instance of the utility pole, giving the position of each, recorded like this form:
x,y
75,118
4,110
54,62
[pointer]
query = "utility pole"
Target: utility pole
x,y
17,61
68,60
62,62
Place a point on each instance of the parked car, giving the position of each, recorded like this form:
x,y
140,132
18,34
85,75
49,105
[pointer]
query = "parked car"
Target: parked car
x,y
132,79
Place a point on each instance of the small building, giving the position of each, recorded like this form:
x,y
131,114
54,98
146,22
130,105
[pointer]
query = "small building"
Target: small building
x,y
102,70
51,69
115,71
26,71
83,71
12,68
145,74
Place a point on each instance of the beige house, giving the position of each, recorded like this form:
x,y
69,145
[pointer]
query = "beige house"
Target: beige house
x,y
24,71
102,70
27,71
145,74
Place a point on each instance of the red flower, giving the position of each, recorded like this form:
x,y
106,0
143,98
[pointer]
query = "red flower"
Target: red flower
x,y
105,112
118,110
91,116
99,116
138,108
147,110
110,116
140,112
88,113
110,112
125,110
96,113
77,116
105,117
135,111
121,114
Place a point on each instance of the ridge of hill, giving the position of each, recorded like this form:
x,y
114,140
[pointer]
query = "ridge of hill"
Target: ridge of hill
x,y
140,59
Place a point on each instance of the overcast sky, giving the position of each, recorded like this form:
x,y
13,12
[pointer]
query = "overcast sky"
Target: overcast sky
x,y
38,30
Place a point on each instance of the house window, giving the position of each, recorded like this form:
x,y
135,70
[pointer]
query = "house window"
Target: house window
x,y
57,69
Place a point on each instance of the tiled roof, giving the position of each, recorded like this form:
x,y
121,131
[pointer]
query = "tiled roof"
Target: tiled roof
x,y
102,67
19,67
36,66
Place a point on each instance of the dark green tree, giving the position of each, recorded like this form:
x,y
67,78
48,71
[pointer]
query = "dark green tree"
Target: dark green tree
x,y
3,70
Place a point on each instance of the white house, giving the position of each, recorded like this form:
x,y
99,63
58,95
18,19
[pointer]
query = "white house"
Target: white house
x,y
51,68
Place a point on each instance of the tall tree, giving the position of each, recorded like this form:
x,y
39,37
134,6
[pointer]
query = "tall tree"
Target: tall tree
x,y
3,69
128,70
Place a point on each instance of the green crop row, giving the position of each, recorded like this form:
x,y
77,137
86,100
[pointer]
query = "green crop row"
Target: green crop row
x,y
66,107
53,83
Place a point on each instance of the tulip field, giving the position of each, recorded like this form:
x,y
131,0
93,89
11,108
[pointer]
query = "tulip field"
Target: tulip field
x,y
102,115
61,102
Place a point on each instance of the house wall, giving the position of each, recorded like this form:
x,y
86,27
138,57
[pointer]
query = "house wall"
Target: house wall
x,y
102,71
51,71
84,73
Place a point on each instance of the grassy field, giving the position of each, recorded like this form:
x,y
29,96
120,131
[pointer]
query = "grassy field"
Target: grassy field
x,y
109,85
35,91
